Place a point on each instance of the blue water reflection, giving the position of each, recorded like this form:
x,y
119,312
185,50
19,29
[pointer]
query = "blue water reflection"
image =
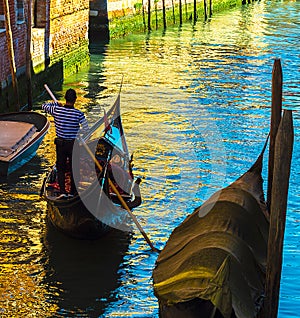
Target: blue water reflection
x,y
196,110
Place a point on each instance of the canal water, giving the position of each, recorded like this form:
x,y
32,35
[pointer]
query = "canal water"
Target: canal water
x,y
195,105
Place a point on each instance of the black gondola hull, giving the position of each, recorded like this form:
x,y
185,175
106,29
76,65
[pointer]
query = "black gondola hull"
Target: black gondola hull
x,y
75,220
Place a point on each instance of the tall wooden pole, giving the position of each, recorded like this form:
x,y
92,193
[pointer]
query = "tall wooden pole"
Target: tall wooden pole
x,y
195,11
164,14
276,109
10,47
143,10
28,55
180,12
205,9
281,175
149,15
210,8
156,14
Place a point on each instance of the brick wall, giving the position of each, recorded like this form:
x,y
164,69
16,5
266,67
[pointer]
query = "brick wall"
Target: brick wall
x,y
68,26
56,31
19,43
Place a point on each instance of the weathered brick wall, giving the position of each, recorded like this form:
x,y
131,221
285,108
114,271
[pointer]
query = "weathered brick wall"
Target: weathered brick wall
x,y
66,31
38,46
68,26
19,45
40,9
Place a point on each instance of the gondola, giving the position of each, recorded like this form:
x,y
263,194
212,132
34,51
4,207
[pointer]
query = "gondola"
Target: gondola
x,y
21,135
214,263
95,209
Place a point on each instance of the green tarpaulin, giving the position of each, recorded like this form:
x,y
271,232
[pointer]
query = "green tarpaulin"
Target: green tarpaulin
x,y
219,252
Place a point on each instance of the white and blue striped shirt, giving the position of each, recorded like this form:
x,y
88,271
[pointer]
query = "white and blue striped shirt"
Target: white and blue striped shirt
x,y
67,120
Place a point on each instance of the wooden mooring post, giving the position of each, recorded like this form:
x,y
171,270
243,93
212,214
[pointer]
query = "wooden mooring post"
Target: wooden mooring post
x,y
164,14
28,56
195,11
276,109
149,15
10,46
205,9
180,12
282,157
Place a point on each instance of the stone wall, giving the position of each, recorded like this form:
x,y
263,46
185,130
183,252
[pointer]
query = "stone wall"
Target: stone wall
x,y
59,36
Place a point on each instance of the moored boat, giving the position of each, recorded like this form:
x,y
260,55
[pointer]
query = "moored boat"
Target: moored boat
x,y
21,135
214,263
95,209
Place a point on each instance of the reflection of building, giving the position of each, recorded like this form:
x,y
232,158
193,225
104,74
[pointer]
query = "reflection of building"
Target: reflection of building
x,y
58,28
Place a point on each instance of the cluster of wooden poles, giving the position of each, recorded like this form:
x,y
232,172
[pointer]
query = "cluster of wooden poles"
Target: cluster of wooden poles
x,y
207,11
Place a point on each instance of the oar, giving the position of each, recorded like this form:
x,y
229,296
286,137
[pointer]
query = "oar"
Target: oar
x,y
124,204
50,93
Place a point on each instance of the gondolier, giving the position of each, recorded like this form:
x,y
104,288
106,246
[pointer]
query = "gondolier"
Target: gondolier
x,y
68,121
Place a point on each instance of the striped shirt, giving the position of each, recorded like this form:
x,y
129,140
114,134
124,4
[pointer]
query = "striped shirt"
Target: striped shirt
x,y
67,121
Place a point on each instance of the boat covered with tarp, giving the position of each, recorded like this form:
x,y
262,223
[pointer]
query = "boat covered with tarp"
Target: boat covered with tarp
x,y
21,135
103,166
214,263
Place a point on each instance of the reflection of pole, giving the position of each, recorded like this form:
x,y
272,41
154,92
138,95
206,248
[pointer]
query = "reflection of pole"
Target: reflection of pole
x,y
28,55
281,174
10,47
275,121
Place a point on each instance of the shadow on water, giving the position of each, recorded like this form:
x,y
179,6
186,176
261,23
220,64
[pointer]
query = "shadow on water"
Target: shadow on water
x,y
31,169
83,274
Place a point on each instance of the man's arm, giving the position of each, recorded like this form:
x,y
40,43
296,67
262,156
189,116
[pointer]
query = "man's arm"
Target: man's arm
x,y
50,107
84,124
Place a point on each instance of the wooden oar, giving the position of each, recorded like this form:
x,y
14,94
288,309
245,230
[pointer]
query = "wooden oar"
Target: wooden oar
x,y
50,93
124,204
